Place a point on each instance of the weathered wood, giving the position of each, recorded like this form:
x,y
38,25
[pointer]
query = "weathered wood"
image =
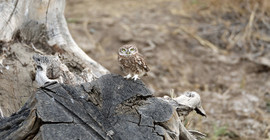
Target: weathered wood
x,y
1,114
42,24
186,103
28,27
110,107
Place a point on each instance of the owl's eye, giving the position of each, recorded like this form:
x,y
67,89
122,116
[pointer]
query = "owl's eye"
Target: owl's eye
x,y
132,49
123,50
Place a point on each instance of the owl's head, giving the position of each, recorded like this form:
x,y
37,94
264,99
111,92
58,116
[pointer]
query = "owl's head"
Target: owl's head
x,y
128,50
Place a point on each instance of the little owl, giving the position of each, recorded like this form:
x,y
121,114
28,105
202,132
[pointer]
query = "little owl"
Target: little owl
x,y
132,62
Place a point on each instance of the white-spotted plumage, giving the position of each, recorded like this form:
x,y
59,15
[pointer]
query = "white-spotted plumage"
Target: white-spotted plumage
x,y
132,62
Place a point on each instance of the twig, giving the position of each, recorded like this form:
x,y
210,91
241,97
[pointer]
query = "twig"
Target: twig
x,y
34,48
151,46
202,41
248,28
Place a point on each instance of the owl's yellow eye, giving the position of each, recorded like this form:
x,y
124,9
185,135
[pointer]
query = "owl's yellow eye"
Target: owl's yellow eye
x,y
123,50
132,49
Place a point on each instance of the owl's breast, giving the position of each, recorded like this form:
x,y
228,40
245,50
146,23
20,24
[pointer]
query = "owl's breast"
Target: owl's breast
x,y
127,62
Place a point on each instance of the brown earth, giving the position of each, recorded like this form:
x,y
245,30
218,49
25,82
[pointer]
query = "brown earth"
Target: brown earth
x,y
217,48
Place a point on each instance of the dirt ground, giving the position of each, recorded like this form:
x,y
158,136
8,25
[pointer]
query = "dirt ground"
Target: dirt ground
x,y
218,48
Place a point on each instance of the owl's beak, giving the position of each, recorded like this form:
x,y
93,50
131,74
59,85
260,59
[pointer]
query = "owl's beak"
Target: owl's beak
x,y
128,52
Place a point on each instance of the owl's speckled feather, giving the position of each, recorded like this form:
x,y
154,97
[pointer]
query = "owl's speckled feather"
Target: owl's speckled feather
x,y
132,62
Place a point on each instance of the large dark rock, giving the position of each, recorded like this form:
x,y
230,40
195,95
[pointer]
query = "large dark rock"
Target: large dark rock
x,y
110,107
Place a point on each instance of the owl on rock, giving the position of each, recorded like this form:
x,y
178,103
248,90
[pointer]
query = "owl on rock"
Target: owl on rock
x,y
132,62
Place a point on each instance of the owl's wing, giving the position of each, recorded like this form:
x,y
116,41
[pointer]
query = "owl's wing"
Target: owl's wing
x,y
141,62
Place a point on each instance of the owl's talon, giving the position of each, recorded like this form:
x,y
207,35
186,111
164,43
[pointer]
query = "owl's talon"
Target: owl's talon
x,y
135,77
128,76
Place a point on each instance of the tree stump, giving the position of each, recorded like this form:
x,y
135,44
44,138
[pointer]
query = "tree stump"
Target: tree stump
x,y
80,99
110,107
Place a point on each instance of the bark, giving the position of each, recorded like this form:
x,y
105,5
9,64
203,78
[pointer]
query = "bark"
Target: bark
x,y
28,27
110,107
42,23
